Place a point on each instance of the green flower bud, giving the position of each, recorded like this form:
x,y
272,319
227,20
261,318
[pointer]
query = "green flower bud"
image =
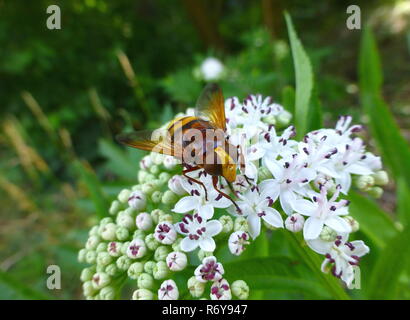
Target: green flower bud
x,y
122,233
328,234
160,271
151,242
196,288
283,119
375,192
240,289
155,214
142,294
203,254
82,254
105,221
364,183
104,259
381,178
115,207
94,231
176,245
102,247
99,268
164,177
149,187
271,119
135,270
100,280
123,263
145,281
92,242
139,234
124,195
264,174
154,170
88,289
156,196
107,293
227,223
90,257
125,220
161,253
107,231
149,266
87,274
241,224
352,222
157,158
112,269
165,218
169,197
142,175
137,187
124,247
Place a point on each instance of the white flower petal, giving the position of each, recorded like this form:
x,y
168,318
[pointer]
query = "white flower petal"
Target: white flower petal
x,y
254,224
207,244
206,211
360,249
312,228
188,245
213,227
338,224
273,217
357,168
286,199
305,207
186,204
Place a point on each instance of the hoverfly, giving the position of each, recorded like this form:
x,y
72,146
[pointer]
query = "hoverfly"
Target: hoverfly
x,y
199,141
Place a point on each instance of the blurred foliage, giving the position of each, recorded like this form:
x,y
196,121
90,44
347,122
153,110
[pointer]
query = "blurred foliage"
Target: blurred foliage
x,y
123,64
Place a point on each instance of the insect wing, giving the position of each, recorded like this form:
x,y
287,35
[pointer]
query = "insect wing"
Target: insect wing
x,y
150,140
210,105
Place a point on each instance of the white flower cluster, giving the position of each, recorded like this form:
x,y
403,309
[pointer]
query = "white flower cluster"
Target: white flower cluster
x,y
157,225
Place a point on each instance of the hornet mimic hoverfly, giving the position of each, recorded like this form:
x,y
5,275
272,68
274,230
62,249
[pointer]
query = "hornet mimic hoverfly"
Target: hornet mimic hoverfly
x,y
199,141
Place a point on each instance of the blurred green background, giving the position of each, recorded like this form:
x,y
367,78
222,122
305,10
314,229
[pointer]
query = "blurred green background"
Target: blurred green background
x,y
123,64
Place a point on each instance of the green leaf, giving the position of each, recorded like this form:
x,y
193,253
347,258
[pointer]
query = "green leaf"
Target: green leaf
x,y
303,79
393,147
90,180
315,115
271,274
403,201
288,99
11,288
313,261
119,162
374,222
390,265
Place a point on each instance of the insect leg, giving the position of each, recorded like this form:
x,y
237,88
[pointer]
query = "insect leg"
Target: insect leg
x,y
215,182
185,171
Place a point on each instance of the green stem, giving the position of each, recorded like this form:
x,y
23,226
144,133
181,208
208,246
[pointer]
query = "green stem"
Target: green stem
x,y
330,283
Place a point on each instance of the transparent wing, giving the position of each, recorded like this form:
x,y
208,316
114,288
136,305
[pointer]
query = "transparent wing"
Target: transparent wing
x,y
150,140
210,105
